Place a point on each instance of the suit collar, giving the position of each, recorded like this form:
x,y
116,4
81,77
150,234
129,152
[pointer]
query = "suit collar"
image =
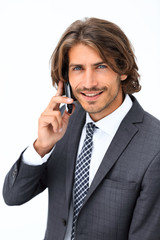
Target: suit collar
x,y
111,122
123,136
125,133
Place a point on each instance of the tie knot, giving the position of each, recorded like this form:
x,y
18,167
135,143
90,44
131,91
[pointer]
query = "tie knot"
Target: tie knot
x,y
90,129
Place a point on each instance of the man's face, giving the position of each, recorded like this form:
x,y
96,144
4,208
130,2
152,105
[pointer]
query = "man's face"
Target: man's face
x,y
94,84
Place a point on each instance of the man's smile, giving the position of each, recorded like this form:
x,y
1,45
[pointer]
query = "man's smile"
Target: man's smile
x,y
91,95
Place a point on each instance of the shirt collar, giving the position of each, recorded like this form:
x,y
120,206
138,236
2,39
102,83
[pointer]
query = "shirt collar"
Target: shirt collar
x,y
110,123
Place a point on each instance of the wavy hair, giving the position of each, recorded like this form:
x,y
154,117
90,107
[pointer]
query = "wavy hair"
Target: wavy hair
x,y
108,40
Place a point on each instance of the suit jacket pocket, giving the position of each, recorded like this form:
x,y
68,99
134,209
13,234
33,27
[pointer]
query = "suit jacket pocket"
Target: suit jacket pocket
x,y
110,210
120,185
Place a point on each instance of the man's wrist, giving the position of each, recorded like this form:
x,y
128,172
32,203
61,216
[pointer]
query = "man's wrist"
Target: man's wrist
x,y
31,157
42,151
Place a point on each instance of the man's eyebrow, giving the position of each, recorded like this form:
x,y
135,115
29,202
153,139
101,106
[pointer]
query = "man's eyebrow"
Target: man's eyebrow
x,y
81,65
75,64
98,63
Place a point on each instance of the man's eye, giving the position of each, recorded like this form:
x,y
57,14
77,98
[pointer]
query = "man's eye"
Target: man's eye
x,y
102,66
77,68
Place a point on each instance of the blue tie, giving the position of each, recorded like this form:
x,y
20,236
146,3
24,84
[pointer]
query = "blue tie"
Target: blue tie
x,y
81,179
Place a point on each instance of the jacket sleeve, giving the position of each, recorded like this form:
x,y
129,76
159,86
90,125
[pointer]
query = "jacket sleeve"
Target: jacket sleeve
x,y
146,218
23,182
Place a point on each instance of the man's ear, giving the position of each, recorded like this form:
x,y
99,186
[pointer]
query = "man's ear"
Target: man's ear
x,y
123,77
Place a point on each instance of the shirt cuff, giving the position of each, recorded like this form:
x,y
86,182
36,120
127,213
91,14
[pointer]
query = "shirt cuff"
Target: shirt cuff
x,y
31,157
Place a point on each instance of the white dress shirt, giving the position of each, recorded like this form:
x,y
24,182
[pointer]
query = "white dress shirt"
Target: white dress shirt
x,y
102,137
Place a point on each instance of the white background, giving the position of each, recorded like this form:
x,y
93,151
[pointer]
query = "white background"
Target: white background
x,y
29,31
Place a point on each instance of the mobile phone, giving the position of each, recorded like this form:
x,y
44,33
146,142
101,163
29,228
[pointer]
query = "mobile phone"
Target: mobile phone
x,y
67,88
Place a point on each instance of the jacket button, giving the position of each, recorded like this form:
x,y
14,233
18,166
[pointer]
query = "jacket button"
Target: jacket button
x,y
14,173
64,222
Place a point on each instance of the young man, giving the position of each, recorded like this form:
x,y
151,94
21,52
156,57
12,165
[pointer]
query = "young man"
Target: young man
x,y
108,186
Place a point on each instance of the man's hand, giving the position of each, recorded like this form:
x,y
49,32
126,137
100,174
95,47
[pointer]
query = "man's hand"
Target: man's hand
x,y
52,126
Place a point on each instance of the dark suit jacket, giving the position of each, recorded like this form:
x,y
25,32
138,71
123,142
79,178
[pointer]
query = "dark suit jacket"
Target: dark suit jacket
x,y
123,202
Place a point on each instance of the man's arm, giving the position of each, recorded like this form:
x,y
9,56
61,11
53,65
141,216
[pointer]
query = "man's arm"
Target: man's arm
x,y
146,218
24,181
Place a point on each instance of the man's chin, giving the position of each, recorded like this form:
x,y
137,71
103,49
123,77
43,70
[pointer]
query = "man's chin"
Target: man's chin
x,y
91,108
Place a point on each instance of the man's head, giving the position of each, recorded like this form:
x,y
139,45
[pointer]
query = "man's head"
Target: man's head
x,y
108,40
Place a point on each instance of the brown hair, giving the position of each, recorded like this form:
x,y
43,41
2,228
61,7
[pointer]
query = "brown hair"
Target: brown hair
x,y
108,40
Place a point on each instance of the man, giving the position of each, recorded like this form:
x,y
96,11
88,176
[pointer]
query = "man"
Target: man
x,y
101,163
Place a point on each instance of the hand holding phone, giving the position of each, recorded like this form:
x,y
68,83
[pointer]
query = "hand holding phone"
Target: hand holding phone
x,y
68,94
52,125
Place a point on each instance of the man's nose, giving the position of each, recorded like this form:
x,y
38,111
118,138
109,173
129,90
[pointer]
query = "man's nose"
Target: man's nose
x,y
90,80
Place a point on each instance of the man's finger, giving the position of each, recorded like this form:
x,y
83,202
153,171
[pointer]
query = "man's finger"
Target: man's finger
x,y
57,100
60,89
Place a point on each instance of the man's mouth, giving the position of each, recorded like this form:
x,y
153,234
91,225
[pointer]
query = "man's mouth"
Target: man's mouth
x,y
91,95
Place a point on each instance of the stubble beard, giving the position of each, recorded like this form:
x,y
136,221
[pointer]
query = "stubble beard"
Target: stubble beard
x,y
108,105
101,109
92,104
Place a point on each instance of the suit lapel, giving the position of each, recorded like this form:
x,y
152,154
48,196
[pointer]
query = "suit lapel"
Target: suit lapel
x,y
124,135
115,149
